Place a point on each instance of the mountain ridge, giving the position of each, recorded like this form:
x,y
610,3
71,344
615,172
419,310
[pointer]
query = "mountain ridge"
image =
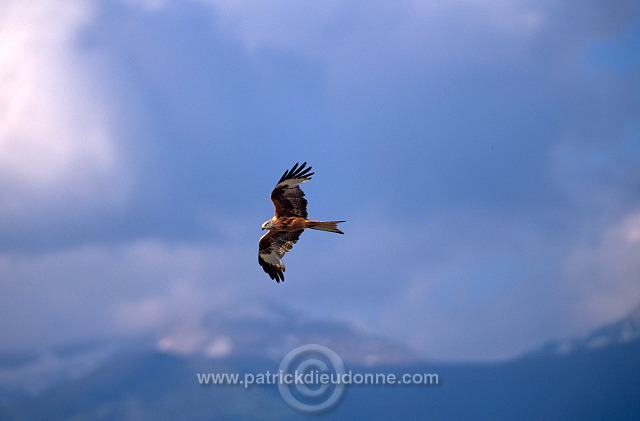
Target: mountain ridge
x,y
620,331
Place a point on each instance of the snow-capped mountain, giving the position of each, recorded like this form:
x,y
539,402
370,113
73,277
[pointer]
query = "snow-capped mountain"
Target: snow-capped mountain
x,y
622,331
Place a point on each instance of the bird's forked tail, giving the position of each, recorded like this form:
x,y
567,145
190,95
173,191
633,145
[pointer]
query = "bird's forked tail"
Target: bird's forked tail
x,y
331,226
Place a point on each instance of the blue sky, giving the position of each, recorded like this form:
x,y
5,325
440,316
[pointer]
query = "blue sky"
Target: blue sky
x,y
484,153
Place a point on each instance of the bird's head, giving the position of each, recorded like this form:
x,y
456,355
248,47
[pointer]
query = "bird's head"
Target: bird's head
x,y
267,225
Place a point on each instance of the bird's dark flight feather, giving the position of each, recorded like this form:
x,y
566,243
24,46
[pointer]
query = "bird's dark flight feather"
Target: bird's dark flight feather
x,y
288,199
272,247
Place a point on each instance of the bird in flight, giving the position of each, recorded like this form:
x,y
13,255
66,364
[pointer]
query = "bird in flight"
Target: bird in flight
x,y
289,221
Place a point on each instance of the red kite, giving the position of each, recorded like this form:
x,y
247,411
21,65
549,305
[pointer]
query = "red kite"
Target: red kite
x,y
289,221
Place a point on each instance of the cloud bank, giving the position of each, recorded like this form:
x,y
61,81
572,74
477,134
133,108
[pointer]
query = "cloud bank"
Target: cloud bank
x,y
485,157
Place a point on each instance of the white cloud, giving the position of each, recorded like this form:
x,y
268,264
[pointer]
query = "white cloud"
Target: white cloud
x,y
145,288
56,141
601,274
468,304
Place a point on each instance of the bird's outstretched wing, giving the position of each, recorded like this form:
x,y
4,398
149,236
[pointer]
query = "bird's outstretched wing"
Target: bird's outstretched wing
x,y
273,246
287,197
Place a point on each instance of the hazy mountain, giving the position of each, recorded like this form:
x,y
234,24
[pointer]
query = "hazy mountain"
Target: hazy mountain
x,y
270,332
593,383
274,331
622,331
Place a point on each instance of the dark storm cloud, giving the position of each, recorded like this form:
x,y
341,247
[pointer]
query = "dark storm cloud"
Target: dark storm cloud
x,y
471,147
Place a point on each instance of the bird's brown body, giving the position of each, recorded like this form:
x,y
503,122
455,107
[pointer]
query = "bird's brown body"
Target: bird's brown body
x,y
295,223
292,223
